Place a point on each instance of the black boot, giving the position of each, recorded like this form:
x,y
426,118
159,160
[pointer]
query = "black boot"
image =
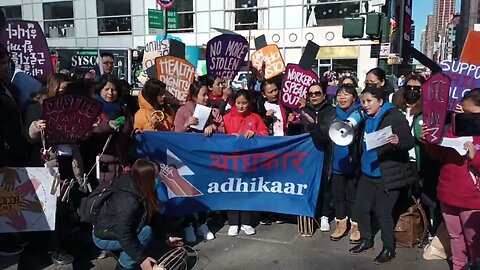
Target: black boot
x,y
385,256
363,246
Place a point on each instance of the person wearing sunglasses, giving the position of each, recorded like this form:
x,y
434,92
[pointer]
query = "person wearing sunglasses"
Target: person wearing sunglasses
x,y
316,118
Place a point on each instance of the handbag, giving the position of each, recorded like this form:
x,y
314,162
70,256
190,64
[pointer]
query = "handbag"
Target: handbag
x,y
411,226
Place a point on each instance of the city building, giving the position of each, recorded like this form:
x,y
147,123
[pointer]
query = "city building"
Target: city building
x,y
431,36
443,12
423,42
124,24
449,48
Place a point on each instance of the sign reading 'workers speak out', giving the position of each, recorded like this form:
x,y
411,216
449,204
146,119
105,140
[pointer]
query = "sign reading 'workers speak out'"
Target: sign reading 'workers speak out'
x,y
225,55
178,74
295,85
69,118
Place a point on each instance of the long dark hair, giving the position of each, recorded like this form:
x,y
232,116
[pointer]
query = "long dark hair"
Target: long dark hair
x,y
151,90
144,172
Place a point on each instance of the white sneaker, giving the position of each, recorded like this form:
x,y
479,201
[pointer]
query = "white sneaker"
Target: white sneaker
x,y
324,225
204,232
189,234
249,230
233,230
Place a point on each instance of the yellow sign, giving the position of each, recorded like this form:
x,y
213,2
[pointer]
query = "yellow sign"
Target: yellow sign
x,y
338,52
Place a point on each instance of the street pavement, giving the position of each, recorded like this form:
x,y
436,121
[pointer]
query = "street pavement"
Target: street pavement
x,y
273,247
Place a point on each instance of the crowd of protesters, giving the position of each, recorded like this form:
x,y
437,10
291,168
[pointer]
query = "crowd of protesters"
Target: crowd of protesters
x,y
360,188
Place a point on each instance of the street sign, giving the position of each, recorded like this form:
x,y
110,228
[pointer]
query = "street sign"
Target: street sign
x,y
165,3
384,50
155,21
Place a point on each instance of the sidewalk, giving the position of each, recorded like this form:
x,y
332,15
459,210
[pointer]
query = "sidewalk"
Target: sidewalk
x,y
273,247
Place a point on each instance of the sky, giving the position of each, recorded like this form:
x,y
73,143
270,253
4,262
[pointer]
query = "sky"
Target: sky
x,y
421,9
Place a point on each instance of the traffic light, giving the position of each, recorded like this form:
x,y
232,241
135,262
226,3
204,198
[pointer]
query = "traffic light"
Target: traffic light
x,y
373,24
353,27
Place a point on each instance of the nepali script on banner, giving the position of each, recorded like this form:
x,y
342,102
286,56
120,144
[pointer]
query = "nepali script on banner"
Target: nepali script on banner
x,y
26,203
225,172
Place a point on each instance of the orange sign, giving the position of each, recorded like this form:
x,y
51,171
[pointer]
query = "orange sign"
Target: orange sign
x,y
268,60
178,74
470,49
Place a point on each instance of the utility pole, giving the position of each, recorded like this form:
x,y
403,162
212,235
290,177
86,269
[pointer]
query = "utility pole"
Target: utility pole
x,y
385,36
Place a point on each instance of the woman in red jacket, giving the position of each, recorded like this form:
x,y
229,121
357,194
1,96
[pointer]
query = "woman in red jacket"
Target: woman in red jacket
x,y
458,190
241,121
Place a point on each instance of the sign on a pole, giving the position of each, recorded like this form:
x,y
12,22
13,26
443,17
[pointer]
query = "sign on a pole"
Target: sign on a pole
x,y
384,50
155,21
165,3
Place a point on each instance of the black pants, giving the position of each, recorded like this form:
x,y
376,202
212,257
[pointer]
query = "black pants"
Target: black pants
x,y
371,195
324,206
239,218
344,191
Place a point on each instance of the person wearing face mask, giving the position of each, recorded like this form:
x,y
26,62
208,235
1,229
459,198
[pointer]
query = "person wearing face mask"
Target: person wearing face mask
x,y
184,119
316,118
458,189
376,77
386,170
344,170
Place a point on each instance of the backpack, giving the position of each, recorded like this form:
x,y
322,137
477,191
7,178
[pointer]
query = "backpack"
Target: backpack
x,y
411,226
90,206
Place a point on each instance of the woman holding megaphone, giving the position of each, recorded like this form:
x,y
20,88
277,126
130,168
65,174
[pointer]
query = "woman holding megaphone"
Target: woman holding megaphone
x,y
385,170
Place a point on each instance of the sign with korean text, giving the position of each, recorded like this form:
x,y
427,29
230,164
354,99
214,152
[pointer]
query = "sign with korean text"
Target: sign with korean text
x,y
296,82
435,93
269,61
26,200
69,118
463,77
271,174
28,48
177,74
226,55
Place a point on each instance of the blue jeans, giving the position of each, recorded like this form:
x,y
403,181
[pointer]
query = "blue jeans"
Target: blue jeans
x,y
145,237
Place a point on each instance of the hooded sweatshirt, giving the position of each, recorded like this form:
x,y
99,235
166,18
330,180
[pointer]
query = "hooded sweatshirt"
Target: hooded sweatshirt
x,y
236,122
144,114
342,161
369,161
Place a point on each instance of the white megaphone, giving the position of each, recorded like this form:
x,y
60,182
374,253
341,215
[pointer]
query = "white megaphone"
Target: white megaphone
x,y
343,132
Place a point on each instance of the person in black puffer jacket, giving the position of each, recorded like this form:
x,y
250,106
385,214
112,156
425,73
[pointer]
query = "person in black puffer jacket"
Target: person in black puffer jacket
x,y
385,171
316,119
123,222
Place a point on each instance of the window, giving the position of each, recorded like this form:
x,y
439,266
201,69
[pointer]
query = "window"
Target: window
x,y
58,19
12,12
247,17
330,9
114,17
185,16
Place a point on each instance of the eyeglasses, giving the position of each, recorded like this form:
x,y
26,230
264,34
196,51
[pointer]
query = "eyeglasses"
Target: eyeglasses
x,y
347,84
316,93
108,63
414,87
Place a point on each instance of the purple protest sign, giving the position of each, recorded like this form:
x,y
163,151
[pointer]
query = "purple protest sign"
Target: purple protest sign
x,y
69,118
295,85
225,55
463,77
28,47
435,96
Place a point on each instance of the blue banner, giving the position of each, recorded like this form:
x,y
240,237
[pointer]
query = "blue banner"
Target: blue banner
x,y
225,172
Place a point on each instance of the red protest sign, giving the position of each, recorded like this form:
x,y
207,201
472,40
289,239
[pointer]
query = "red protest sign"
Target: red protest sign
x,y
69,118
178,74
435,93
296,82
270,55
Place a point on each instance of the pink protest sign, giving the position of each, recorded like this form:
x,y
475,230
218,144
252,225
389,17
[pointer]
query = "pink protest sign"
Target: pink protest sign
x,y
295,85
435,94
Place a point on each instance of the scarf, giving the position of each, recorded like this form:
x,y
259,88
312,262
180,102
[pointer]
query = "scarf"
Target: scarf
x,y
343,115
372,123
113,110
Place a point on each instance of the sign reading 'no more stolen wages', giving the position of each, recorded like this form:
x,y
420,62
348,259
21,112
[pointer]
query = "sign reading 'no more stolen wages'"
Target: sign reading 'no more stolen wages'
x,y
178,74
225,55
435,94
69,118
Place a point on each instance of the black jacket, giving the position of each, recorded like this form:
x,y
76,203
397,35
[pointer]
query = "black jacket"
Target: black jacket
x,y
396,170
123,216
324,115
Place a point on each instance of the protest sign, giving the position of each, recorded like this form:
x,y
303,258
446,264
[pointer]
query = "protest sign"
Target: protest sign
x,y
69,118
225,55
271,174
26,84
26,202
153,50
435,93
463,77
470,49
28,48
269,61
177,74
